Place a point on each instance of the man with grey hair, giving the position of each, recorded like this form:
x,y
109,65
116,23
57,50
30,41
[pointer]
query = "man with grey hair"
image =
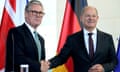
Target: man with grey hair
x,y
24,44
91,49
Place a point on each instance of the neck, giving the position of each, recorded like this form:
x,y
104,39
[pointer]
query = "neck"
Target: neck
x,y
90,29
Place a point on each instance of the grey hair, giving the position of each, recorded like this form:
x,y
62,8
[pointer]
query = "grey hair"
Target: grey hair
x,y
86,7
33,2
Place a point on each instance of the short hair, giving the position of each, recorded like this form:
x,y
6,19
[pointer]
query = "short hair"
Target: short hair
x,y
83,9
35,2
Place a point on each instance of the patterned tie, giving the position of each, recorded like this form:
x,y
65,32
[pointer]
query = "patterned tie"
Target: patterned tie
x,y
38,44
91,47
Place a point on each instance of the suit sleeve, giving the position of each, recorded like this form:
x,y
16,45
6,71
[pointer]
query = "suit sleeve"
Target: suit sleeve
x,y
9,53
62,57
112,59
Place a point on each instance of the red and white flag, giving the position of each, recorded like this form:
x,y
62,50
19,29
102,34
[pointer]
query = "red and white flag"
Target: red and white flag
x,y
13,15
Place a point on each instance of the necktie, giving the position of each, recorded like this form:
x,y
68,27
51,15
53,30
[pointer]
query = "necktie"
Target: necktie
x,y
91,47
38,44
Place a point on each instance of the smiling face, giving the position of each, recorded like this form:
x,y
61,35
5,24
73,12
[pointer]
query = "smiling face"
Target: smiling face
x,y
89,18
34,15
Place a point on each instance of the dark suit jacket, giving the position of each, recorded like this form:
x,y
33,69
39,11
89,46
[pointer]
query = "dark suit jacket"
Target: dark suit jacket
x,y
21,49
75,47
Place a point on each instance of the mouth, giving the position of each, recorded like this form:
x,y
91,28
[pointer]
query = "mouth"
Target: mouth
x,y
91,21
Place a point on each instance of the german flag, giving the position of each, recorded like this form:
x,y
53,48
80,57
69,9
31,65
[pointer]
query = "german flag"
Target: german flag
x,y
71,24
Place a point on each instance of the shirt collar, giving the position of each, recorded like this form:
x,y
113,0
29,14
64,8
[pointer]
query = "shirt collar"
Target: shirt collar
x,y
86,31
30,28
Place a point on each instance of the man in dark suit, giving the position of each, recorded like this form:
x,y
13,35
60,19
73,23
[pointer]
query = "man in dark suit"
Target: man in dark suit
x,y
102,56
22,47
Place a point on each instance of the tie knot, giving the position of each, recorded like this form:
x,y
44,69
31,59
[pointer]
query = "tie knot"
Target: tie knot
x,y
90,34
35,32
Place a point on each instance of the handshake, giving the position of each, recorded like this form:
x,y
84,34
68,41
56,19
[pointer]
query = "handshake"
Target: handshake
x,y
45,65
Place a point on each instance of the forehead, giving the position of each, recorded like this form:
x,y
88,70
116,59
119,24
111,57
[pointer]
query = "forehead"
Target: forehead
x,y
90,10
36,7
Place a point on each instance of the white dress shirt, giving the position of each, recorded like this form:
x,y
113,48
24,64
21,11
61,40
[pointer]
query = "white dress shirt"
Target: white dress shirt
x,y
32,30
94,37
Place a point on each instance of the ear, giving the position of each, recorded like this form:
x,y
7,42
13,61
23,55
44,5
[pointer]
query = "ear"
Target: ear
x,y
80,18
26,14
97,17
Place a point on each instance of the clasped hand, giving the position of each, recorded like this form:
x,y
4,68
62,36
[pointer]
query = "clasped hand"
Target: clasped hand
x,y
96,68
45,65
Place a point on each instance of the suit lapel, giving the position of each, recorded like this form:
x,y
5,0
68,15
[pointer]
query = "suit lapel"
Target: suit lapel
x,y
82,43
31,39
99,43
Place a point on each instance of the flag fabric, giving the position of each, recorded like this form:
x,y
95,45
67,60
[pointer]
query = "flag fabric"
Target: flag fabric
x,y
13,15
117,69
71,24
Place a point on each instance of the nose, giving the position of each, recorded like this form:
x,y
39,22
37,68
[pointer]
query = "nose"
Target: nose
x,y
39,15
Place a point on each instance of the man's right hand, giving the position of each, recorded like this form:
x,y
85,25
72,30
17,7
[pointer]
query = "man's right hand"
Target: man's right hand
x,y
44,66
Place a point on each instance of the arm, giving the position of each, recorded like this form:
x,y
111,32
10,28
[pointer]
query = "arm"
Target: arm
x,y
64,54
112,59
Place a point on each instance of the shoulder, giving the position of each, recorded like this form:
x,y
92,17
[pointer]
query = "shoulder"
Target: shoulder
x,y
76,35
16,30
79,33
104,34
